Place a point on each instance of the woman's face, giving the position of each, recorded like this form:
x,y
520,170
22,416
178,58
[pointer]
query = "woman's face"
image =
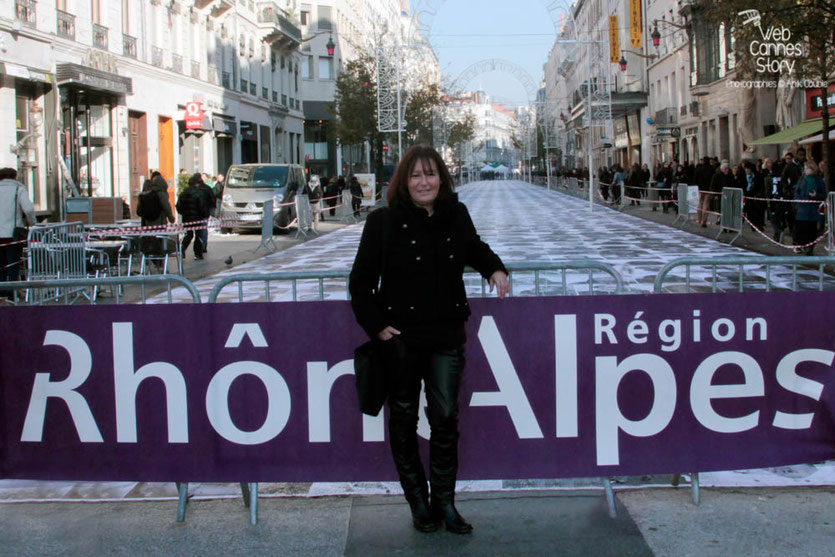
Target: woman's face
x,y
424,183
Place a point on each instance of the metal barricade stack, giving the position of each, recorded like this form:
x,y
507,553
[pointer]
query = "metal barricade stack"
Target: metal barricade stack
x,y
731,219
55,251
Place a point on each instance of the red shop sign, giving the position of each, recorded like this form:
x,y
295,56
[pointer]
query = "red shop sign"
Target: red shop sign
x,y
194,115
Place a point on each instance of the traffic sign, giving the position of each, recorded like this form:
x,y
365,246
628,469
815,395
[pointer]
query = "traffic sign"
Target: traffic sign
x,y
385,147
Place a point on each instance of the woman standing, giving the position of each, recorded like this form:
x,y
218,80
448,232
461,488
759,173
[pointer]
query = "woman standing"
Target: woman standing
x,y
417,248
15,208
810,187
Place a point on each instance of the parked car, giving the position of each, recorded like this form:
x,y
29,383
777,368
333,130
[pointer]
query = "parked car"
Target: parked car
x,y
248,186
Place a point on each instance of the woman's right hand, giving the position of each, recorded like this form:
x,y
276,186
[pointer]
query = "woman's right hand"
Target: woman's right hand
x,y
387,333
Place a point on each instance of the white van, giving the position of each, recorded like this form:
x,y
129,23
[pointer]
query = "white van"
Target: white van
x,y
248,186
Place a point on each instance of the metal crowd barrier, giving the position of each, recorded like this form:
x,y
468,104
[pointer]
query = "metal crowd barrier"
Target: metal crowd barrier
x,y
518,273
537,269
683,204
35,289
731,209
305,216
346,211
741,262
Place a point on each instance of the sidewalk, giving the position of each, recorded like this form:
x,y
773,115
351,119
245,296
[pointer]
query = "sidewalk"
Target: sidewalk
x,y
729,522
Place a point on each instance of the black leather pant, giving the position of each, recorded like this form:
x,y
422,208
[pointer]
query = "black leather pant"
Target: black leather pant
x,y
440,370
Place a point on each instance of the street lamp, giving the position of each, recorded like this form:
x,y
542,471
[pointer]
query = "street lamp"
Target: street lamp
x,y
622,61
330,46
656,35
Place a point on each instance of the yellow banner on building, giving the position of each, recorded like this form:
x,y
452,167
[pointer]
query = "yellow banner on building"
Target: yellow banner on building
x,y
635,23
614,40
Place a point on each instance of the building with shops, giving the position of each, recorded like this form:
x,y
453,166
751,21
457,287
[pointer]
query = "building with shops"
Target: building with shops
x,y
336,31
672,88
98,94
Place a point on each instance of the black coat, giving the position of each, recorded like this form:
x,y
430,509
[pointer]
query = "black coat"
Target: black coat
x,y
422,282
192,204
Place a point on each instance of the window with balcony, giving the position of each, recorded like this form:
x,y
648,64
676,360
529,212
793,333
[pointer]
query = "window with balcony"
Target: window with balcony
x,y
129,46
99,36
304,15
264,93
66,25
156,56
226,80
307,67
195,69
253,89
711,52
244,86
24,12
177,63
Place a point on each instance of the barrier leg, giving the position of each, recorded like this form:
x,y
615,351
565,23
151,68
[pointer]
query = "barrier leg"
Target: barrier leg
x,y
610,497
695,488
676,480
182,489
250,494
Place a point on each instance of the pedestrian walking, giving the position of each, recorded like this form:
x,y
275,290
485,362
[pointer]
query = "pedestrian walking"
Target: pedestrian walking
x,y
356,195
418,247
192,207
16,213
154,209
209,210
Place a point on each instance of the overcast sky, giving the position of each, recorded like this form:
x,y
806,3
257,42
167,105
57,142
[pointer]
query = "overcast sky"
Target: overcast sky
x,y
465,32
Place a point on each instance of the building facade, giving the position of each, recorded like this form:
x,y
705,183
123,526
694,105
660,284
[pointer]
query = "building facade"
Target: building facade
x,y
106,92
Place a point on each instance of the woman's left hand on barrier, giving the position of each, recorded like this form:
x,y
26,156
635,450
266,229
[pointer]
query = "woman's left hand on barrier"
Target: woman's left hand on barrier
x,y
500,282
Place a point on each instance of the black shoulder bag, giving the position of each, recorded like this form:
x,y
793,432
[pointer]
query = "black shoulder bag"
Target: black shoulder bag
x,y
374,359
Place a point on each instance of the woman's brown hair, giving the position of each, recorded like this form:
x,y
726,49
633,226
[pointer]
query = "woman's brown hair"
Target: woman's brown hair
x,y
398,191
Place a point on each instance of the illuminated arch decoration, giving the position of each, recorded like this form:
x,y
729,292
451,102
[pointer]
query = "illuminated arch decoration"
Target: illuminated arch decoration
x,y
497,65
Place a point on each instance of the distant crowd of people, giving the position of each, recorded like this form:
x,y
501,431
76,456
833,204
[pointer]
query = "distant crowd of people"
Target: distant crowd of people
x,y
772,189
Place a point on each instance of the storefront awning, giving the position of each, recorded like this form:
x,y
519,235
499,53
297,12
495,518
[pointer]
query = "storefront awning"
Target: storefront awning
x,y
25,73
91,78
791,134
818,138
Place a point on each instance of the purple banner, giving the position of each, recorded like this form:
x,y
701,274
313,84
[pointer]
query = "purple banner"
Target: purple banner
x,y
554,387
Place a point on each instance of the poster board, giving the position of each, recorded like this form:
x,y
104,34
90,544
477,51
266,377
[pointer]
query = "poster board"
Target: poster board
x,y
369,189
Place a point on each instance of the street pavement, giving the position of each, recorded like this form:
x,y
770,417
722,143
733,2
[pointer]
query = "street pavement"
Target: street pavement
x,y
780,511
522,223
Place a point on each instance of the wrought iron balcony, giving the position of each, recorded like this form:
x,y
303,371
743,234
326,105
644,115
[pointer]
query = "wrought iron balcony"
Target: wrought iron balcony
x,y
200,4
129,46
156,56
211,69
666,116
66,25
276,27
24,12
195,69
99,36
176,63
220,7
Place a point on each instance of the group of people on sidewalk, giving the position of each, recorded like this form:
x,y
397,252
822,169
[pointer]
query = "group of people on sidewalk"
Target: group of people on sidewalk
x,y
319,189
195,204
784,191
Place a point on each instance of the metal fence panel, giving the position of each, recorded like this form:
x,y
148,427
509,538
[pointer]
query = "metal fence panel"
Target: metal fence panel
x,y
531,279
740,263
39,292
731,219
